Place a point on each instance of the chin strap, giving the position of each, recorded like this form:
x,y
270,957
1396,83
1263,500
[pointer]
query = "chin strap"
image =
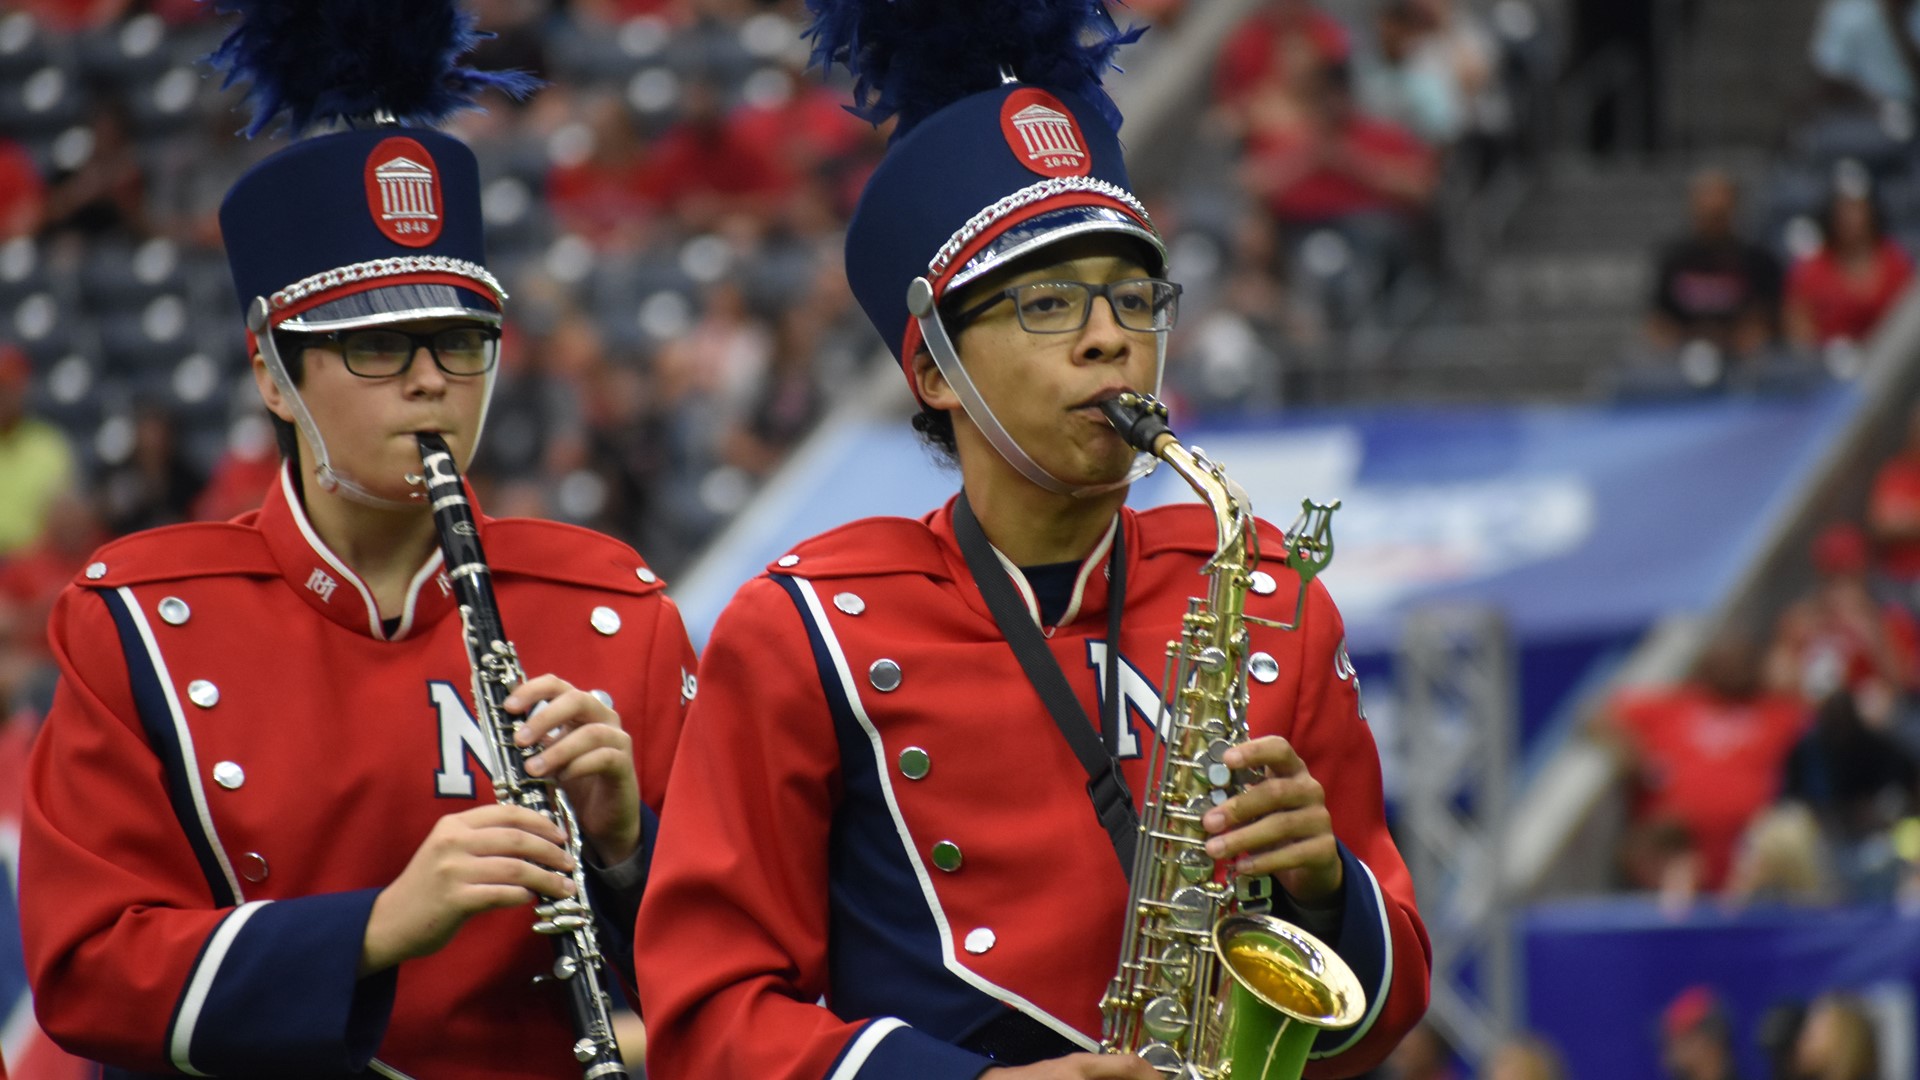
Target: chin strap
x,y
946,357
329,478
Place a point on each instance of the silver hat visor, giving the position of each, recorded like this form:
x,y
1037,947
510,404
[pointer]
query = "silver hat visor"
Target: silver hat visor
x,y
1026,237
403,302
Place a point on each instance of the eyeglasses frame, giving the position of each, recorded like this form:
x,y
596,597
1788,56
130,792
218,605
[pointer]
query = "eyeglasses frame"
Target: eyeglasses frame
x,y
416,340
966,318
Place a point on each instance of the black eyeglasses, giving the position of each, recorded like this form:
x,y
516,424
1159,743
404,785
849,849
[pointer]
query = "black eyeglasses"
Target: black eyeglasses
x,y
1147,305
383,352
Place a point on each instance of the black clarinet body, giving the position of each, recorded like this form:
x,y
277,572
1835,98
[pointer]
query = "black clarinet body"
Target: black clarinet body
x,y
568,922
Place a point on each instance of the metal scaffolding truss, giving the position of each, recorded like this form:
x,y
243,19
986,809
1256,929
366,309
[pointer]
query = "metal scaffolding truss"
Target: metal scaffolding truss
x,y
1457,723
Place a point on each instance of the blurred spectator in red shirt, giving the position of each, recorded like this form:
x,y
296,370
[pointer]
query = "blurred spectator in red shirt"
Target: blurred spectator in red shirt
x,y
1712,284
1335,162
1706,757
599,185
30,581
23,194
708,170
806,127
1841,291
71,16
1840,637
1278,47
240,477
1893,513
32,578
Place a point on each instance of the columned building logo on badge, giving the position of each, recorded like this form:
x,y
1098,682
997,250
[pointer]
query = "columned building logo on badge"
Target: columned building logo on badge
x,y
406,190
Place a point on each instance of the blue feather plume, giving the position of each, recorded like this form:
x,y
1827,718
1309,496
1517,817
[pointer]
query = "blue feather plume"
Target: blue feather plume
x,y
912,58
315,62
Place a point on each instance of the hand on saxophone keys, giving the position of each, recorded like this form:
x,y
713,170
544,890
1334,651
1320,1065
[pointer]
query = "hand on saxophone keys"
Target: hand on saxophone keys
x,y
1279,825
581,746
1079,1067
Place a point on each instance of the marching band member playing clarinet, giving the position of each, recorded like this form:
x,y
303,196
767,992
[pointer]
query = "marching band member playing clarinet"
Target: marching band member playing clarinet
x,y
882,858
261,838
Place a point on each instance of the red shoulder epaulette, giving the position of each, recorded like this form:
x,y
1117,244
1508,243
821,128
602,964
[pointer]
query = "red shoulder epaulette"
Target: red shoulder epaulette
x,y
175,552
569,554
876,545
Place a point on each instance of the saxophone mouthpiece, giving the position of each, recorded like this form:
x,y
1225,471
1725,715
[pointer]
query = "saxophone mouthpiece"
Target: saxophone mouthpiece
x,y
1140,419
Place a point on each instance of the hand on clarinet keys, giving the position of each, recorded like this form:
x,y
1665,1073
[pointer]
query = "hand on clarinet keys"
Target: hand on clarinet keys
x,y
492,856
584,749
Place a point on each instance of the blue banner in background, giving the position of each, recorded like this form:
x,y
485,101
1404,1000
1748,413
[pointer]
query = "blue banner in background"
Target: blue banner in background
x,y
1600,973
1583,526
1578,523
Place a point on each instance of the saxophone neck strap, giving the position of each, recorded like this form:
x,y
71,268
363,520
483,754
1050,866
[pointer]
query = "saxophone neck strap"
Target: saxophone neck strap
x,y
1106,787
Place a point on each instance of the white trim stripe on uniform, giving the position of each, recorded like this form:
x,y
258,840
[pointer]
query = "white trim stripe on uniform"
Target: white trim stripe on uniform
x,y
864,1044
189,762
319,548
1378,998
204,973
818,616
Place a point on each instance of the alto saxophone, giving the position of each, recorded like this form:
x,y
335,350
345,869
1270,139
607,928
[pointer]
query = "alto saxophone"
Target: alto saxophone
x,y
1210,986
567,922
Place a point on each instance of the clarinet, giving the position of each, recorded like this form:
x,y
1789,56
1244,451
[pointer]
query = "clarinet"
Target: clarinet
x,y
567,922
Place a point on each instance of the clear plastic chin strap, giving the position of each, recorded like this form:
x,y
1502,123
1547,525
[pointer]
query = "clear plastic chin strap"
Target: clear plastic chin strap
x,y
920,303
329,478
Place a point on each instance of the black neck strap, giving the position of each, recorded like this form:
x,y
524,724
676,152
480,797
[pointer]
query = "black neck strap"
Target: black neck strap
x,y
1112,802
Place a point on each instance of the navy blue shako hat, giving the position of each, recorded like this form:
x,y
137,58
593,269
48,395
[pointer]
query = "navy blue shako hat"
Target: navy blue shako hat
x,y
1005,141
361,227
373,224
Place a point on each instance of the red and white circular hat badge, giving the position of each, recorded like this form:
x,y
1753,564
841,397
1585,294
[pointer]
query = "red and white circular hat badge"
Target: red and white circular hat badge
x,y
403,192
1043,134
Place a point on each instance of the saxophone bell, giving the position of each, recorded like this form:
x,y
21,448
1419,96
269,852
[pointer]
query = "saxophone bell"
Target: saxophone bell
x,y
1287,988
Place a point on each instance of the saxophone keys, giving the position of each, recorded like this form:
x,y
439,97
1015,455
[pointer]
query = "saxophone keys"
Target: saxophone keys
x,y
1165,1017
1194,865
1162,1057
1174,967
1212,659
1191,907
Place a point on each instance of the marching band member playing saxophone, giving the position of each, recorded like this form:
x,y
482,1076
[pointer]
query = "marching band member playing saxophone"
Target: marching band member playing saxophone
x,y
260,835
885,858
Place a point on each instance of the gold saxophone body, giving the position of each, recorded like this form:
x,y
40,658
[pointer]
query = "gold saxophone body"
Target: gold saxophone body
x,y
1209,985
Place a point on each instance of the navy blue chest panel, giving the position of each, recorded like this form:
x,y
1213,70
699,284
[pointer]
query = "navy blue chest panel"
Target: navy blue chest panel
x,y
157,719
884,949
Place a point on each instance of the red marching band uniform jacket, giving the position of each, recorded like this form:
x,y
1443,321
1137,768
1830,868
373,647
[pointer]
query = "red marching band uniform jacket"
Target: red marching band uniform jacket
x,y
810,790
240,756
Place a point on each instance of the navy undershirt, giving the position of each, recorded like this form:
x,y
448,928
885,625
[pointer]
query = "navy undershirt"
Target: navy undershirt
x,y
1052,586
